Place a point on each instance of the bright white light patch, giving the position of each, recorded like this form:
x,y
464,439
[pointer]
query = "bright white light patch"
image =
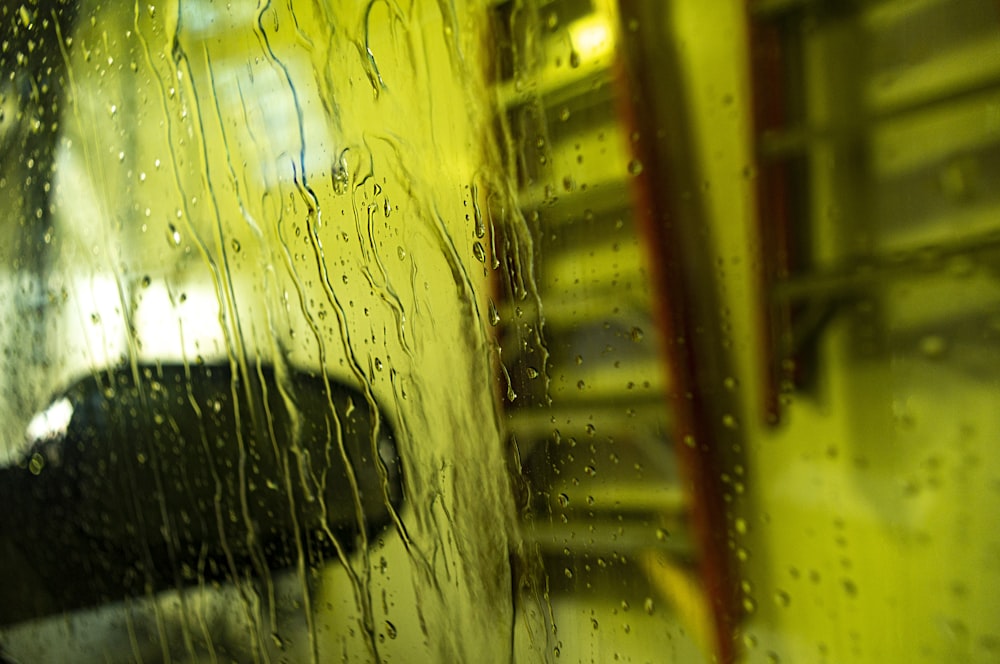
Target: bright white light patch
x,y
591,37
52,422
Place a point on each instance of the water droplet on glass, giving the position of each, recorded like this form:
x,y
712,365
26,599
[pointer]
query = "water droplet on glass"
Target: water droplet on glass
x,y
781,598
563,500
568,572
494,316
390,630
378,364
662,534
36,464
401,253
594,623
236,245
532,372
564,114
574,59
636,334
387,208
173,235
635,167
146,281
479,252
649,606
480,226
340,179
933,346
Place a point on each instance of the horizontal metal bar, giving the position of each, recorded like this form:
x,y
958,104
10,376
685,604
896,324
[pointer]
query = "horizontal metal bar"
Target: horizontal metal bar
x,y
853,279
795,140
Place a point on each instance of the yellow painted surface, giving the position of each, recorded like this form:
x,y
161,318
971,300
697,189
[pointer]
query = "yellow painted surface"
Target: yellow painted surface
x,y
310,184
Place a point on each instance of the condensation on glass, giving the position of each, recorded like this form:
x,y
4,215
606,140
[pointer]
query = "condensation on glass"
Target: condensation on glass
x,y
499,330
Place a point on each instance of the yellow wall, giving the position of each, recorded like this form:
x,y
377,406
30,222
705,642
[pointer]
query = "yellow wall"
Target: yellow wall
x,y
867,524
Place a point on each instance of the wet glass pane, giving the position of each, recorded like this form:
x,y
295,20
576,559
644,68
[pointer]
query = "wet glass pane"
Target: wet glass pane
x,y
499,330
246,382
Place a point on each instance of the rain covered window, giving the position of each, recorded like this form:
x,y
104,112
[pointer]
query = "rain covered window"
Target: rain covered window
x,y
499,330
